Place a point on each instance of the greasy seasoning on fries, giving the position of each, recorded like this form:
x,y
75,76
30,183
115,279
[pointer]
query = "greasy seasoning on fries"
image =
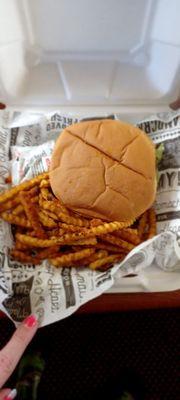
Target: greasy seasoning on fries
x,y
46,229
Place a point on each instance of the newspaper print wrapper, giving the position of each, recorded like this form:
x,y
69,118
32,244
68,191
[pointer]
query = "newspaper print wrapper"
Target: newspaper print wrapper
x,y
26,144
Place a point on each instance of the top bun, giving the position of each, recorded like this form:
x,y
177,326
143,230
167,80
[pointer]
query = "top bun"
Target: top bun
x,y
104,169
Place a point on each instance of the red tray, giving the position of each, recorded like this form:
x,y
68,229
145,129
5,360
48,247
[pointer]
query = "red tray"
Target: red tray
x,y
129,301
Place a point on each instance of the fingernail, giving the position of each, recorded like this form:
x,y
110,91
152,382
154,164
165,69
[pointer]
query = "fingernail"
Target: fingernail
x,y
30,321
11,395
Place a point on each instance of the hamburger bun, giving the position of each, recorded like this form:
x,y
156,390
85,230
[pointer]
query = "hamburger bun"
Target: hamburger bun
x,y
104,169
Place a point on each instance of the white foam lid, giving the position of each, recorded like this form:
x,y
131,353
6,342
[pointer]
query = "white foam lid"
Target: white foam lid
x,y
95,56
104,53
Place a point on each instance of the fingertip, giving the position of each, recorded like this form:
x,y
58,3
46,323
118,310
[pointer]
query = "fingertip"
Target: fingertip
x,y
4,393
11,395
31,321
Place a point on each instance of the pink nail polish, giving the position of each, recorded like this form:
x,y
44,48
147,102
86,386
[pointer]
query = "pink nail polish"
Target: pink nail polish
x,y
11,395
30,321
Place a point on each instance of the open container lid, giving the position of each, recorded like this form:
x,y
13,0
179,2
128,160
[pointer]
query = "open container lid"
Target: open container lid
x,y
108,53
92,56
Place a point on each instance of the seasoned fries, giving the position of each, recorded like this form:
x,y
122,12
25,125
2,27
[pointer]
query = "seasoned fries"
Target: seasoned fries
x,y
105,261
129,236
47,230
110,248
70,228
44,183
32,214
16,220
67,259
24,258
46,220
118,242
9,194
9,204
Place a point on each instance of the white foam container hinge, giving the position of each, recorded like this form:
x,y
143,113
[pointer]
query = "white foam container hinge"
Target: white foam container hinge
x,y
91,57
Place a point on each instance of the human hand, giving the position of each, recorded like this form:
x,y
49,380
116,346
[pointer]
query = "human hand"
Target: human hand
x,y
12,352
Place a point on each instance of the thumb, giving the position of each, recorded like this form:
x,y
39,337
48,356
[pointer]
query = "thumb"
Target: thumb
x,y
12,352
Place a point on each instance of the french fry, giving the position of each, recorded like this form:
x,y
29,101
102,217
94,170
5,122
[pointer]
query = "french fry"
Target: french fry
x,y
128,236
142,224
54,206
118,242
20,246
110,248
35,199
109,227
61,232
45,183
61,206
20,209
67,259
96,256
11,193
106,260
134,231
70,228
32,214
9,204
53,232
16,220
64,217
71,237
50,214
31,233
152,223
46,195
85,242
48,252
46,221
33,192
24,258
95,222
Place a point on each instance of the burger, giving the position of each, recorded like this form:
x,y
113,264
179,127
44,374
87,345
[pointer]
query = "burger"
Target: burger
x,y
104,169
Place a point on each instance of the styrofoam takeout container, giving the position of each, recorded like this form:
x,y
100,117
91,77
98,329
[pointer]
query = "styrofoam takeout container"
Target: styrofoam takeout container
x,y
92,57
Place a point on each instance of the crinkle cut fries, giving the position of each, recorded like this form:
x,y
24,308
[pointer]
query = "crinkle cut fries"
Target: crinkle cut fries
x,y
46,229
